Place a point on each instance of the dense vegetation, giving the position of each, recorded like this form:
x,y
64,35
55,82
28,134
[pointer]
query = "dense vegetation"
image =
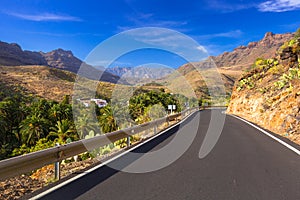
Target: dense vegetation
x,y
29,124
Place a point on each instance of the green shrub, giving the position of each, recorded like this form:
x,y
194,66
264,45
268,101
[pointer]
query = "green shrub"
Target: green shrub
x,y
279,84
294,73
246,83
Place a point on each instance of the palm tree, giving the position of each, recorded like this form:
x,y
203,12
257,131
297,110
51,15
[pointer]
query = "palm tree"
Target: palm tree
x,y
33,128
3,134
63,129
107,120
55,112
83,124
60,111
12,113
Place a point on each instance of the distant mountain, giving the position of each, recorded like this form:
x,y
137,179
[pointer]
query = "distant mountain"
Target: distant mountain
x,y
140,74
62,59
13,55
119,71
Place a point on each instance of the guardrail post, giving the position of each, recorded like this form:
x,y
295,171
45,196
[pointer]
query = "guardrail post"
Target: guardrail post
x,y
128,140
128,137
57,168
168,122
155,128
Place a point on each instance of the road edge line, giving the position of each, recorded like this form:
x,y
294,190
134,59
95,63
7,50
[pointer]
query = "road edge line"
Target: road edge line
x,y
42,194
268,134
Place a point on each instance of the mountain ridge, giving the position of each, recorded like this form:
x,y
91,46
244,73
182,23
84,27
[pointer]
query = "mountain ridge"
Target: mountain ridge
x,y
11,54
140,74
245,55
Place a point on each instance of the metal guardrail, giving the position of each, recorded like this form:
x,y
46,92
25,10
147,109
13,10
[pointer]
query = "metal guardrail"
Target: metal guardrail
x,y
29,162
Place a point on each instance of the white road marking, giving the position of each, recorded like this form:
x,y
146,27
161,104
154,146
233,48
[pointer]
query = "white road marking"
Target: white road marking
x,y
270,135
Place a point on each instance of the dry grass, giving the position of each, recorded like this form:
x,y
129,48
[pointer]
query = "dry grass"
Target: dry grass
x,y
46,82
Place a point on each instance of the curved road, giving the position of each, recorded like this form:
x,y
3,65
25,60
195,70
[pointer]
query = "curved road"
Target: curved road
x,y
244,164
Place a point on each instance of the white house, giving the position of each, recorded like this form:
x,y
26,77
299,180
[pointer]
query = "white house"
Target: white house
x,y
87,102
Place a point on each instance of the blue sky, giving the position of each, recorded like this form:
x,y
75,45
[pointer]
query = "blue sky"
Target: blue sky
x,y
217,25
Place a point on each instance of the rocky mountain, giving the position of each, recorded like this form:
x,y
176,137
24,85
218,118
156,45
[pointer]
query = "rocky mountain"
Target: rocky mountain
x,y
140,74
269,94
243,56
62,59
13,55
119,71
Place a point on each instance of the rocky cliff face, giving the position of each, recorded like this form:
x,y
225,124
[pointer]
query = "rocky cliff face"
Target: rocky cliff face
x,y
244,56
269,95
62,59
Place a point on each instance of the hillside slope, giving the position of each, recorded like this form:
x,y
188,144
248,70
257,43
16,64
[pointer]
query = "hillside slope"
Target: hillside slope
x,y
269,95
187,79
49,83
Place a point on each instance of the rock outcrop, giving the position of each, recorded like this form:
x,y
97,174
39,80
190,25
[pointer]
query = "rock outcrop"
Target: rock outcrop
x,y
62,59
269,95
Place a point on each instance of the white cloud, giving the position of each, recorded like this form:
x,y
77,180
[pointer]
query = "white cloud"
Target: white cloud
x,y
148,20
62,34
229,34
44,17
266,6
202,48
168,40
227,7
279,5
159,36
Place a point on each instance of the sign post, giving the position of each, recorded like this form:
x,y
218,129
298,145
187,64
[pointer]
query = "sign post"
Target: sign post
x,y
172,108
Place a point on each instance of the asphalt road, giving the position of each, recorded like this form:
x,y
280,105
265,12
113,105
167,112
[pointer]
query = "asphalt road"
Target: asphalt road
x,y
244,164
